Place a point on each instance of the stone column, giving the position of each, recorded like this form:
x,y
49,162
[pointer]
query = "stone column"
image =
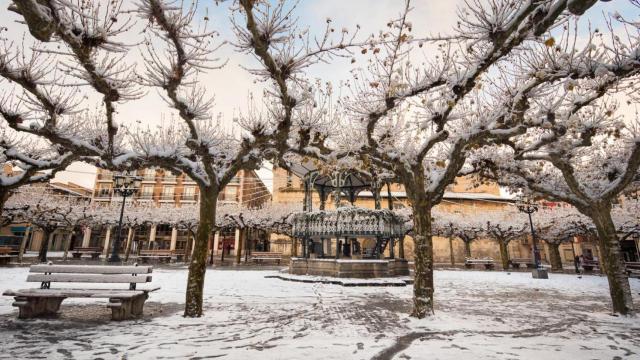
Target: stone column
x,y
105,245
174,239
236,245
216,242
152,236
86,237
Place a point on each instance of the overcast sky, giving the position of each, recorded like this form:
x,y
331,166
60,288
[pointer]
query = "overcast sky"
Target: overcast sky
x,y
232,84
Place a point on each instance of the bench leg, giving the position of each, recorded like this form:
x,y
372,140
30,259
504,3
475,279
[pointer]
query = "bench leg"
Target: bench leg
x,y
127,309
33,307
76,255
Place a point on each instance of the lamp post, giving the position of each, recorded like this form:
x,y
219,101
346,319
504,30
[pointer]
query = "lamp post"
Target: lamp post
x,y
125,185
537,273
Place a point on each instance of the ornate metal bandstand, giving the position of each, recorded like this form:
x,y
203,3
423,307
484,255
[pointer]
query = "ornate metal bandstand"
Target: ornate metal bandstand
x,y
346,241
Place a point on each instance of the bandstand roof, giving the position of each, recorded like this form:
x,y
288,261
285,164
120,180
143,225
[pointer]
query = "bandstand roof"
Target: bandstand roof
x,y
352,179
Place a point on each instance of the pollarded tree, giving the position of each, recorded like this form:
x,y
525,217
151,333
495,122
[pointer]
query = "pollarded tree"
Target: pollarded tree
x,y
24,161
557,225
464,227
199,146
580,152
504,227
50,212
420,121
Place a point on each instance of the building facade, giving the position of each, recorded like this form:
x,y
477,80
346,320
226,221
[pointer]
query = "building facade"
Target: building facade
x,y
162,188
463,197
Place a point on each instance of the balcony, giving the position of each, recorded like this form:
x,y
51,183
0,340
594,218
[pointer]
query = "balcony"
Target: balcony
x,y
167,198
145,197
104,177
102,194
188,198
172,179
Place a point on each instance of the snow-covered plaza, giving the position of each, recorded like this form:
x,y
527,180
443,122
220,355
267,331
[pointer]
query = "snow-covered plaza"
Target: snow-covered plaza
x,y
479,315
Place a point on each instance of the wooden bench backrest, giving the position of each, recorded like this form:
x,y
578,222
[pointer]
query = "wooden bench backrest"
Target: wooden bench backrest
x,y
78,249
156,252
46,274
261,253
5,250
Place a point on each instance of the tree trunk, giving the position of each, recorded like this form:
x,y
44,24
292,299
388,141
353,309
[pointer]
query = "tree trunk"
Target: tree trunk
x,y
127,250
612,261
198,264
401,248
4,196
67,246
240,246
294,247
504,254
187,250
554,256
423,249
453,258
23,243
44,246
467,249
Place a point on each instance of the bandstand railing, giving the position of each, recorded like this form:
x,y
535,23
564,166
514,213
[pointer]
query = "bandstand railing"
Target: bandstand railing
x,y
348,221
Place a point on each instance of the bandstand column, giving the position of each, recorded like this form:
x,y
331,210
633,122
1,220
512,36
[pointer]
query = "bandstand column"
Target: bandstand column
x,y
391,250
401,248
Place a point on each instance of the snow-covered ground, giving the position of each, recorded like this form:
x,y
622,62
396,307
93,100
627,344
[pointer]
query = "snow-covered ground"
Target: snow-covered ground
x,y
479,315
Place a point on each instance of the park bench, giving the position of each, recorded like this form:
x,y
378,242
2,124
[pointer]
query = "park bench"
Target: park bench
x,y
6,253
487,263
518,262
45,301
589,265
260,257
94,252
633,269
160,255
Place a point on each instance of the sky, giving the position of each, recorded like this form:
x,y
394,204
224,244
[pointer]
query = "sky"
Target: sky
x,y
233,84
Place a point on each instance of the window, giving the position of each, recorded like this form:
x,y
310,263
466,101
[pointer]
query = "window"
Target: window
x,y
146,192
231,193
189,193
167,193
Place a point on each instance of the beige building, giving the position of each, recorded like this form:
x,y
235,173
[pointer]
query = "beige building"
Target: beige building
x,y
461,197
161,187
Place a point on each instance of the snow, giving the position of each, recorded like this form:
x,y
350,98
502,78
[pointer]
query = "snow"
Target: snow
x,y
478,315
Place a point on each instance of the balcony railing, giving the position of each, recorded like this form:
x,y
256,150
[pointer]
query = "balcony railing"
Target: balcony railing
x,y
145,197
167,197
188,197
105,177
103,194
350,221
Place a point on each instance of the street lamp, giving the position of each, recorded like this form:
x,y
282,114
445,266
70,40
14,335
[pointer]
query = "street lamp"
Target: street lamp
x,y
537,273
125,185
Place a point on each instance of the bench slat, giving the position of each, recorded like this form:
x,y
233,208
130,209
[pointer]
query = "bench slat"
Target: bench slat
x,y
88,278
79,293
91,269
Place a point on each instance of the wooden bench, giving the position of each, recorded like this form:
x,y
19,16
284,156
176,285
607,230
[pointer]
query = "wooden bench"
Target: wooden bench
x,y
518,262
260,257
45,301
159,255
93,251
470,263
590,265
633,269
6,253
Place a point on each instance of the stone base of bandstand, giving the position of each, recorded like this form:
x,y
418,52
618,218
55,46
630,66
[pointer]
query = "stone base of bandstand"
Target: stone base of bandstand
x,y
349,268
